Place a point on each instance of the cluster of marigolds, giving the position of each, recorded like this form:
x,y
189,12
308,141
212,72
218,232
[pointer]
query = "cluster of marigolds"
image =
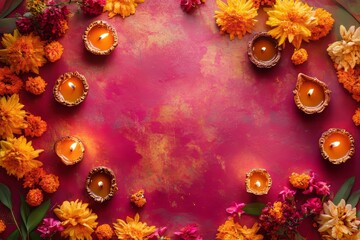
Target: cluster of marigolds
x,y
34,43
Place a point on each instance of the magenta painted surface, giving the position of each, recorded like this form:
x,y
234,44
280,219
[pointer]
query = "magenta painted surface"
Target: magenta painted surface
x,y
179,110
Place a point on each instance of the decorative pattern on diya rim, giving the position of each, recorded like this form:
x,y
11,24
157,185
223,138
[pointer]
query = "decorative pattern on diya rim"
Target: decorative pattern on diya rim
x,y
324,94
94,175
347,155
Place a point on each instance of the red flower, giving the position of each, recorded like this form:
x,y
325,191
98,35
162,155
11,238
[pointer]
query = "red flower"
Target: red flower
x,y
93,7
25,25
189,5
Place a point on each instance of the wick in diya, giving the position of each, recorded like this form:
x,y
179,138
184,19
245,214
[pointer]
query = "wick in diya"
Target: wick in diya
x,y
263,50
101,184
100,38
258,181
70,150
337,145
311,95
71,89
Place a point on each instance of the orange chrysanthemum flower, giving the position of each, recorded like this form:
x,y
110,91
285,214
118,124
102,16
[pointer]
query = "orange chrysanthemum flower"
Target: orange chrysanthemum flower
x,y
17,156
299,56
11,116
35,85
291,20
122,7
78,220
34,197
2,226
324,24
104,232
53,51
33,177
300,181
258,3
236,18
22,53
35,126
138,198
132,228
49,183
9,82
350,79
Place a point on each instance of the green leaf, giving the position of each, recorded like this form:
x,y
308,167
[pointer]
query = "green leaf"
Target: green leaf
x,y
5,196
254,208
344,191
37,215
7,25
9,6
14,235
24,210
35,236
354,198
23,230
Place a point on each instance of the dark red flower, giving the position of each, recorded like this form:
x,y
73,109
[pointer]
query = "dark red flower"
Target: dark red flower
x,y
25,25
189,5
93,7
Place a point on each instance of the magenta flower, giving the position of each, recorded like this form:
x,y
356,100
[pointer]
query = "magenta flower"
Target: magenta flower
x,y
24,25
189,5
93,7
312,206
189,232
311,183
158,234
49,227
286,194
322,188
236,209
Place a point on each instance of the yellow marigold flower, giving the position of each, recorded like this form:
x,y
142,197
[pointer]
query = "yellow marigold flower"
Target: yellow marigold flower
x,y
17,156
291,20
78,220
324,24
53,51
236,17
49,183
299,56
338,222
132,228
11,116
34,197
104,232
35,85
2,226
35,6
300,181
232,230
122,7
22,53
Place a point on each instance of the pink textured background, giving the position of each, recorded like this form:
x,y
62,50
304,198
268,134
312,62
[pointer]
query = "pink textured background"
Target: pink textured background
x,y
178,109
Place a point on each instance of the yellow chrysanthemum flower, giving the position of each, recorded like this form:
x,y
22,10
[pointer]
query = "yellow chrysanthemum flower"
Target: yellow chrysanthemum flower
x,y
122,7
132,228
236,17
17,156
338,222
234,231
11,116
22,53
291,20
78,220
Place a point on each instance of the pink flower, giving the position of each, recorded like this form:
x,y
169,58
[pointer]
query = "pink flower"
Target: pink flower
x,y
286,194
311,183
49,227
189,5
312,206
159,232
93,7
236,209
322,188
189,232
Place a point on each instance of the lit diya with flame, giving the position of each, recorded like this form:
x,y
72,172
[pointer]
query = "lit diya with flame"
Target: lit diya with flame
x,y
100,38
311,95
70,150
101,184
263,50
258,181
337,145
71,89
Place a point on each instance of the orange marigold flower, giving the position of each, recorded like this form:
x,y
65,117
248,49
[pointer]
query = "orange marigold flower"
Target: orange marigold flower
x,y
34,197
276,210
300,181
104,232
350,79
324,24
138,198
53,51
2,226
356,117
36,126
122,7
35,85
33,177
9,82
258,3
49,183
299,56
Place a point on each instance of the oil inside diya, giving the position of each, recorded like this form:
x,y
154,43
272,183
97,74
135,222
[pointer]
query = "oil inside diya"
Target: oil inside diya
x,y
70,150
100,38
101,184
337,145
258,181
263,50
71,89
311,95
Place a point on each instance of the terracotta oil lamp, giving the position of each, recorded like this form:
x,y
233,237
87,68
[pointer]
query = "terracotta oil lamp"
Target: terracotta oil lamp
x,y
263,50
311,95
258,181
101,184
70,150
337,145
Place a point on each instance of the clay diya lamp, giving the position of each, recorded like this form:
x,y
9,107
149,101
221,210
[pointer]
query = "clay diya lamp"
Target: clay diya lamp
x,y
258,181
100,38
71,89
263,50
337,145
70,150
311,95
101,184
